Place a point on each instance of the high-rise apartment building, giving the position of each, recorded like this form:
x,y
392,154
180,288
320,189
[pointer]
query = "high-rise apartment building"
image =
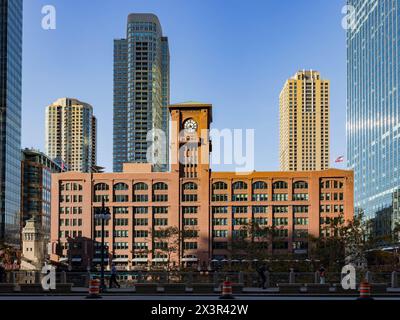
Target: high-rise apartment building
x,y
141,92
36,171
304,123
71,134
373,106
10,119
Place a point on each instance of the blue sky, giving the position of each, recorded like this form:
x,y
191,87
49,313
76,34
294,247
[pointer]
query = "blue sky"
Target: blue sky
x,y
233,54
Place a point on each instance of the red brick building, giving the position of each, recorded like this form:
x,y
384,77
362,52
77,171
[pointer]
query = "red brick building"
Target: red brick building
x,y
212,207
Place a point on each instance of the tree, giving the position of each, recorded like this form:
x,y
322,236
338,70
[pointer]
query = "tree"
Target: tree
x,y
169,241
343,243
251,241
8,255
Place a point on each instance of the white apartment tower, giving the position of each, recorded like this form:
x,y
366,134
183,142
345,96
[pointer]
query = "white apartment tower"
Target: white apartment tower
x,y
71,134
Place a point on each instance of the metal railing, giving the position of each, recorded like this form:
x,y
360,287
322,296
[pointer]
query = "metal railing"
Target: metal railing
x,y
248,279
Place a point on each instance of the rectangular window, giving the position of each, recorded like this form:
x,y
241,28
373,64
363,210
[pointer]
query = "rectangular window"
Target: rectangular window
x,y
190,221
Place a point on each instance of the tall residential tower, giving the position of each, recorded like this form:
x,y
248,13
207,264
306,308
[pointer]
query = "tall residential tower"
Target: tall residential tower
x,y
71,134
141,91
373,108
10,119
304,123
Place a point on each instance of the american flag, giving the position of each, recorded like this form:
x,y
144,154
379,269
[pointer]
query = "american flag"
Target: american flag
x,y
339,159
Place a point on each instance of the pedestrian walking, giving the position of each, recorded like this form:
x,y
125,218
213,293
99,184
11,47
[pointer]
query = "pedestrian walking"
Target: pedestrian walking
x,y
113,277
321,274
261,272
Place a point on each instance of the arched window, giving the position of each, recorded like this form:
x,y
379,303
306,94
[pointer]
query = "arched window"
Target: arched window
x,y
300,185
121,186
160,186
219,186
140,186
258,185
190,186
280,185
101,187
239,185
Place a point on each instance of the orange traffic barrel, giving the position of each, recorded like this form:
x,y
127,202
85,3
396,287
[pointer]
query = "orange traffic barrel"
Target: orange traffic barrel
x,y
226,290
94,289
365,291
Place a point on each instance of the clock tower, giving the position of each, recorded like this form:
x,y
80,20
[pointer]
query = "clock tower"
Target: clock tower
x,y
190,157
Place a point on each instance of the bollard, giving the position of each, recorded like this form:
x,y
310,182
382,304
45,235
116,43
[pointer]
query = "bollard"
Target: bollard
x,y
37,277
394,279
365,291
267,279
368,276
190,279
94,289
215,278
292,278
226,290
63,277
317,277
87,279
241,277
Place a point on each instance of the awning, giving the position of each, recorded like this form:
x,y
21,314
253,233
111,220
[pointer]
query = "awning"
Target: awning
x,y
63,259
190,259
120,260
159,260
140,260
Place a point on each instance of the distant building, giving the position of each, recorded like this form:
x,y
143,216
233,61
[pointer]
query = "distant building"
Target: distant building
x,y
10,119
36,171
33,246
304,123
373,108
141,91
212,208
71,134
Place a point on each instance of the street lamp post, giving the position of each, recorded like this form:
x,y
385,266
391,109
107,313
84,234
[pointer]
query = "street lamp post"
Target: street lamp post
x,y
104,215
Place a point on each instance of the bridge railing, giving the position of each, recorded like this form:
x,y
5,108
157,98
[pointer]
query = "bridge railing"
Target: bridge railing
x,y
248,279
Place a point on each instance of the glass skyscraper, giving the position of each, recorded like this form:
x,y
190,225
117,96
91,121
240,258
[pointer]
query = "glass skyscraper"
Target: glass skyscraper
x,y
373,109
10,119
141,90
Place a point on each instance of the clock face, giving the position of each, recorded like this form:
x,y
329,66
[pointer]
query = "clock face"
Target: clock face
x,y
190,126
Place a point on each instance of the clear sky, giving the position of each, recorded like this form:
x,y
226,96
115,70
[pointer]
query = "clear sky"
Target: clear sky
x,y
233,54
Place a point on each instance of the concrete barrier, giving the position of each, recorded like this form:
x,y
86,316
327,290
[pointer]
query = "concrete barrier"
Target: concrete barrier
x,y
146,288
63,288
174,288
290,287
339,289
203,287
317,288
237,287
7,287
31,288
377,288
